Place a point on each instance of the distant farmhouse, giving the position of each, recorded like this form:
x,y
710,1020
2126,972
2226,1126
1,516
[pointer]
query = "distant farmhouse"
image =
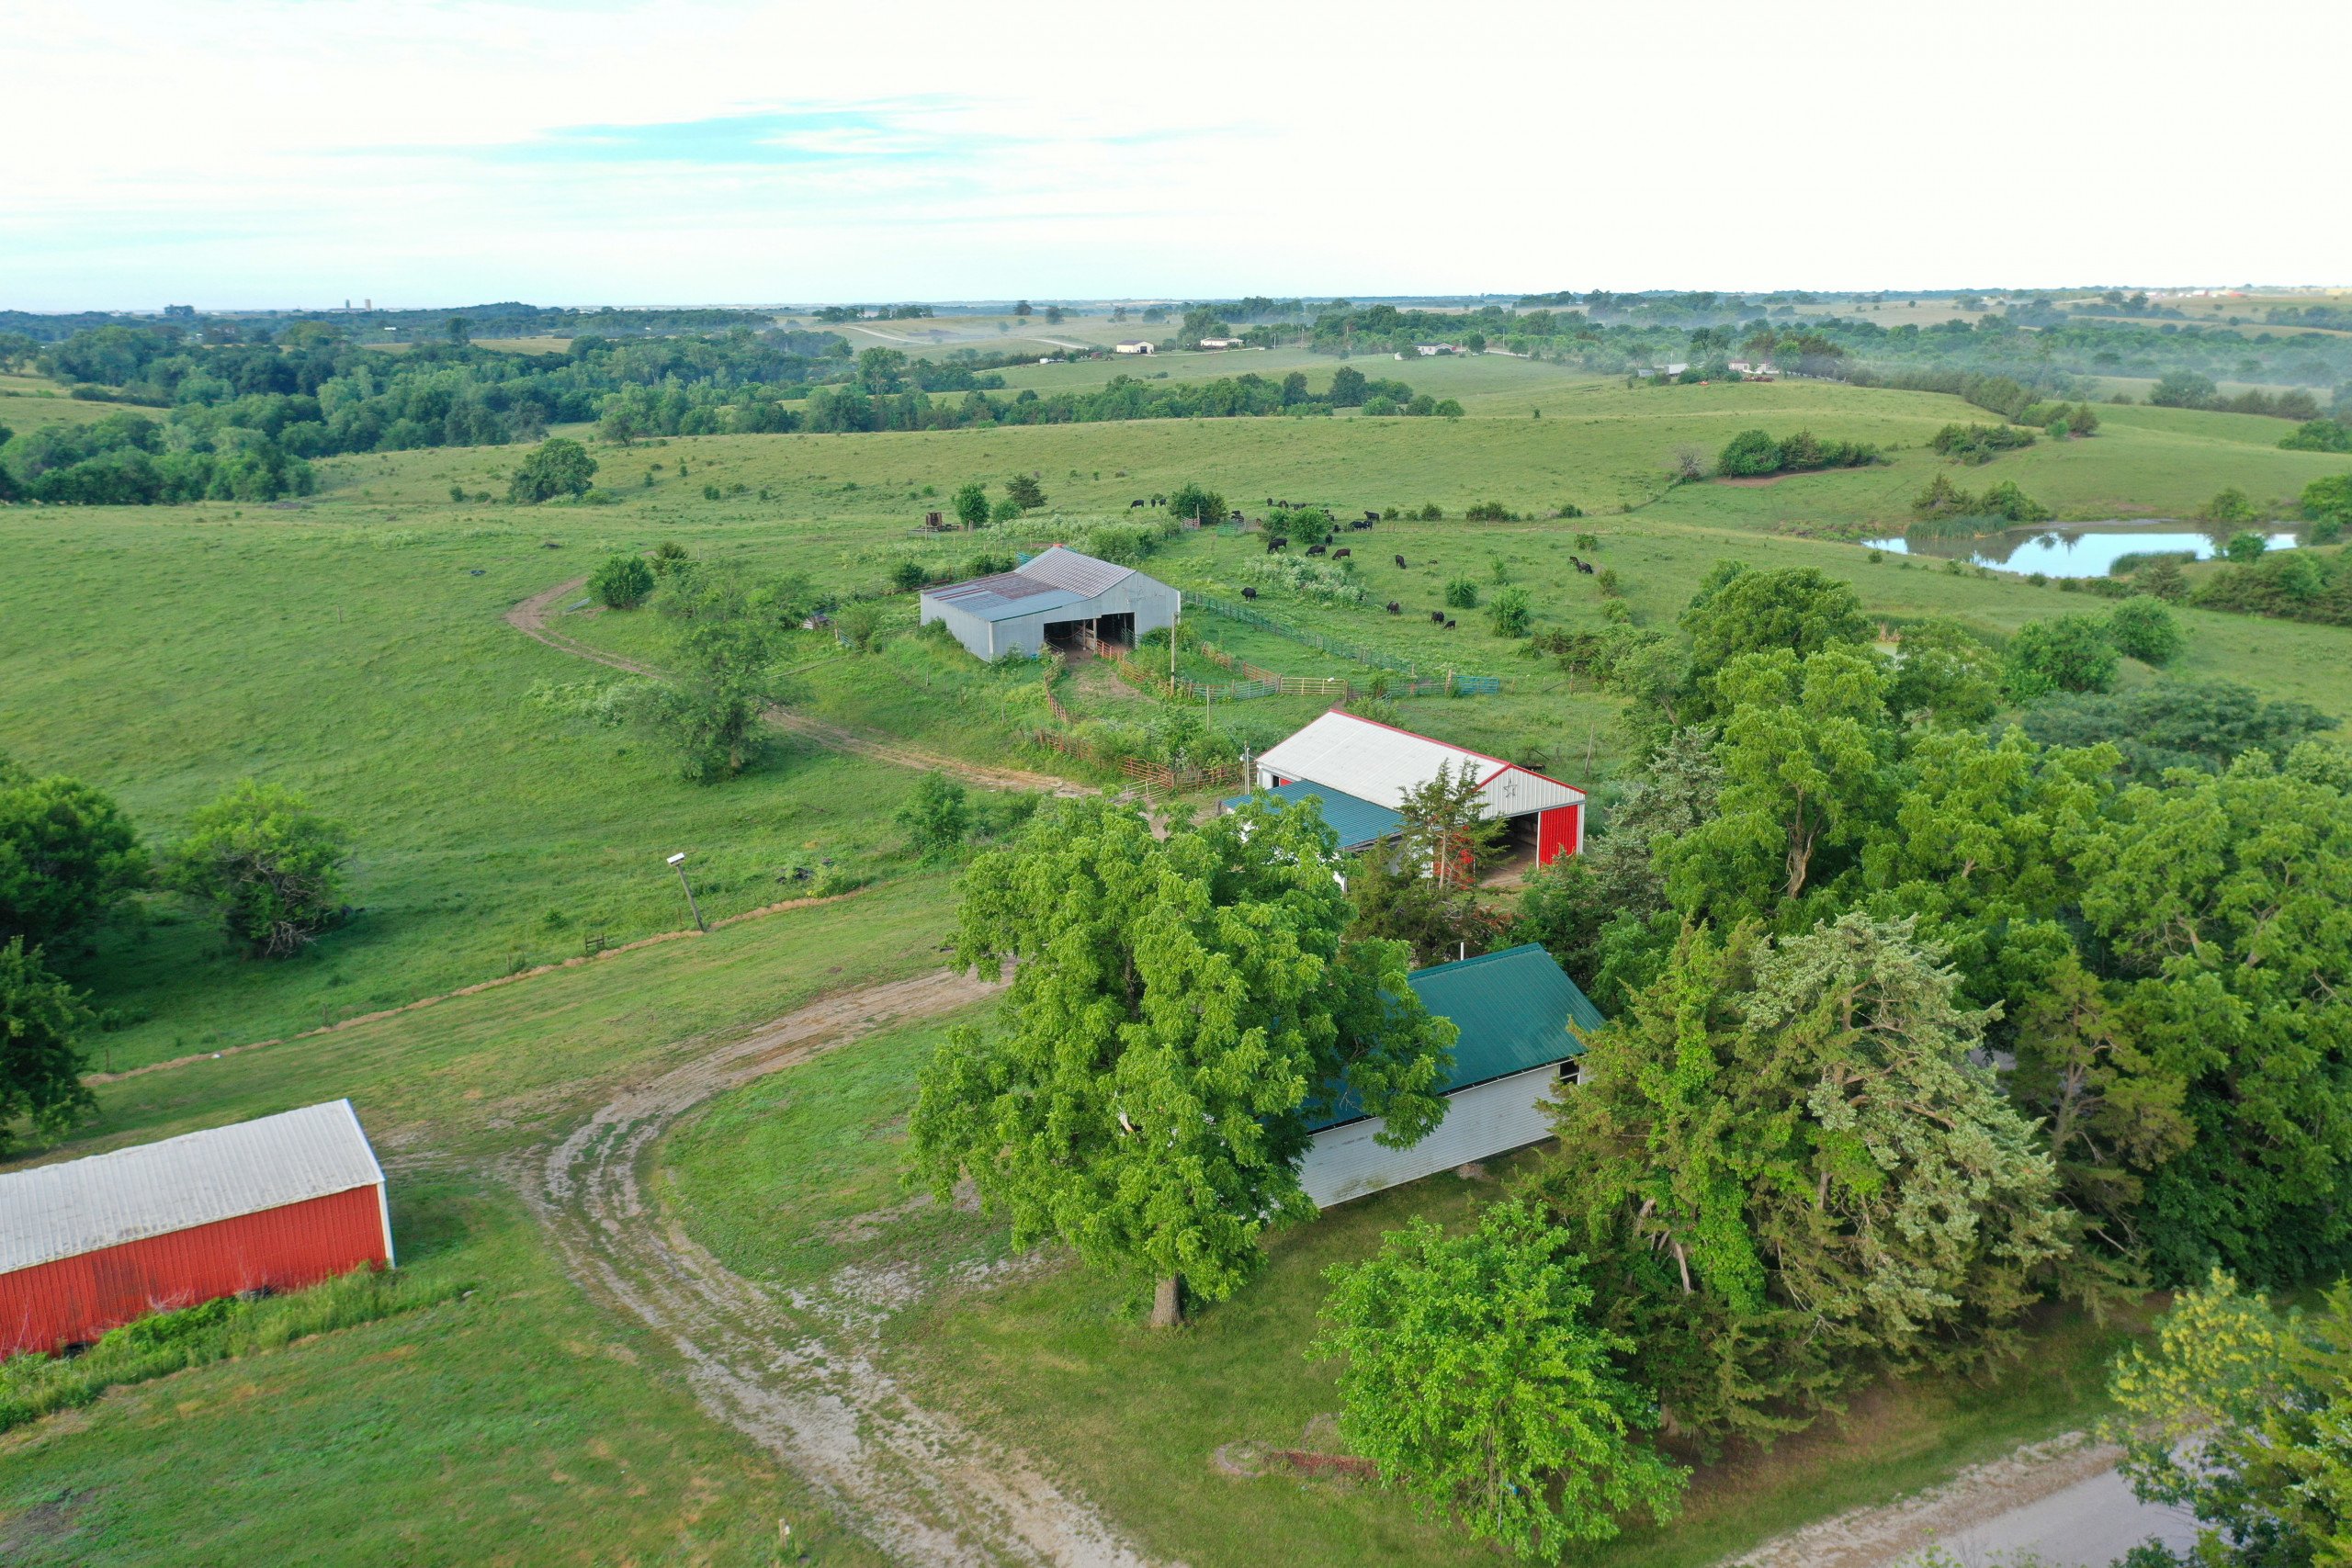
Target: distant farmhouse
x,y
1221,343
1133,345
1514,1009
1360,771
1060,599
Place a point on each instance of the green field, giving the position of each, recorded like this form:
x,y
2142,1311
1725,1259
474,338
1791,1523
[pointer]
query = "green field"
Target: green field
x,y
345,644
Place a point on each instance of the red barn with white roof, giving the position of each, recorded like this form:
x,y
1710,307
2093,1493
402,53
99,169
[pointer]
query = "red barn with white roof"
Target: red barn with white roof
x,y
1379,762
275,1203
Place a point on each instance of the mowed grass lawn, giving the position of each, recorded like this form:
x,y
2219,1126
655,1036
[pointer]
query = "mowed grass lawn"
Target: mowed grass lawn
x,y
802,1175
518,1425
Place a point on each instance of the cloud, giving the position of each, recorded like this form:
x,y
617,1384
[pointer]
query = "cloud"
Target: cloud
x,y
904,131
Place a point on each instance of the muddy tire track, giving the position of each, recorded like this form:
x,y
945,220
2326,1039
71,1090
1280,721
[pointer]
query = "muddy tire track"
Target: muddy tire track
x,y
531,619
926,1489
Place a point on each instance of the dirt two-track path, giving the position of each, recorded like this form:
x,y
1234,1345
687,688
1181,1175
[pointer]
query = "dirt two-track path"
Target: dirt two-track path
x,y
797,1379
532,616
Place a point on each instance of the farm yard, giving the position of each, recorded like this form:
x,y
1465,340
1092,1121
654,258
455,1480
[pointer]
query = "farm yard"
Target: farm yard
x,y
654,1180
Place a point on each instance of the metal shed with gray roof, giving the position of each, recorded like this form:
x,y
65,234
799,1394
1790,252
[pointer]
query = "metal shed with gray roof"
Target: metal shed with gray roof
x,y
1060,598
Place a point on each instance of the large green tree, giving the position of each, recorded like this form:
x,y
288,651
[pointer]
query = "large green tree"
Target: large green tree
x,y
558,465
40,1066
1180,1009
268,863
2242,1413
1475,1382
67,855
1806,750
1738,611
1787,1172
2224,906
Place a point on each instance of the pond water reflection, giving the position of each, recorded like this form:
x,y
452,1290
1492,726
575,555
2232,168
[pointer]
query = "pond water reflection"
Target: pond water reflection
x,y
2078,550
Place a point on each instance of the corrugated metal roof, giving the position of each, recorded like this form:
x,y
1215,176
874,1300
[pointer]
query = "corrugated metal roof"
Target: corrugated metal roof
x,y
1379,762
1513,1008
76,1206
1358,822
1055,578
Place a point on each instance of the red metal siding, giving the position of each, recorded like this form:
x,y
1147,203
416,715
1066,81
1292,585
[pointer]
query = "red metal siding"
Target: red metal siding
x,y
1556,832
71,1301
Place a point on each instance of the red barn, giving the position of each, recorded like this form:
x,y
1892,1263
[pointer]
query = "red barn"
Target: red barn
x,y
277,1203
1378,763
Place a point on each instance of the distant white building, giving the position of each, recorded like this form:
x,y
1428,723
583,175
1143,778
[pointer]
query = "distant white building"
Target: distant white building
x,y
1221,343
1429,349
1132,345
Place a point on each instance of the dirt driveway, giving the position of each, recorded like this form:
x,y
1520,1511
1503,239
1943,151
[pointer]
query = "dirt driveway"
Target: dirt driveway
x,y
532,619
797,1380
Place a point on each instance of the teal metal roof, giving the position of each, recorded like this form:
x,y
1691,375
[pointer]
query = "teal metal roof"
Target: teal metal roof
x,y
1358,822
1513,1008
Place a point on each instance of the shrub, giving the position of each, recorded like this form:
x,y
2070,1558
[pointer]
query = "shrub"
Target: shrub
x,y
1606,581
909,575
937,815
2005,499
2230,505
2070,653
858,624
2243,547
2320,436
971,505
556,467
1006,510
2141,628
1025,492
1511,612
1488,511
1379,406
622,582
667,556
1979,443
1433,512
1307,525
1190,500
2328,498
68,855
270,866
1461,594
710,493
40,1070
1750,453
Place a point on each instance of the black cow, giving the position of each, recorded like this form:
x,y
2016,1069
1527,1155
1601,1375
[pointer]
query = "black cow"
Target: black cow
x,y
1314,549
1370,518
1236,517
1274,545
1585,567
1394,609
1400,563
1577,564
1449,625
1133,504
1438,615
1249,593
1342,551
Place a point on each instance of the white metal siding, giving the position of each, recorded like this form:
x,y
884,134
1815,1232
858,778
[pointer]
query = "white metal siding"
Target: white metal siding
x,y
77,1206
1374,762
1480,1121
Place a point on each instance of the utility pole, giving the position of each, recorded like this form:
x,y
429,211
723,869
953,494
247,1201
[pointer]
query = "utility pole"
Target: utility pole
x,y
678,864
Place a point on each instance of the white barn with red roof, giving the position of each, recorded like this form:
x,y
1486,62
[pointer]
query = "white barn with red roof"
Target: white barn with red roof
x,y
1380,763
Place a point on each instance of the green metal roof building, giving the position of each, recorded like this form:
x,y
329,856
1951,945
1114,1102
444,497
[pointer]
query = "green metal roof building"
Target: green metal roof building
x,y
1515,1009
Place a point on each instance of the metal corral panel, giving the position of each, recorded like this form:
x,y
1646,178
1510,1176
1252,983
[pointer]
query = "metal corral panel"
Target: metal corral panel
x,y
1490,1119
57,1211
72,1301
1380,763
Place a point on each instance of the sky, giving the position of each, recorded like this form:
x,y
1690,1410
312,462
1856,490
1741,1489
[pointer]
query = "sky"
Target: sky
x,y
299,152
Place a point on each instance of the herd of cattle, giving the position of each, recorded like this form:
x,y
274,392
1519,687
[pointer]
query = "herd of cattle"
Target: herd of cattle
x,y
1276,542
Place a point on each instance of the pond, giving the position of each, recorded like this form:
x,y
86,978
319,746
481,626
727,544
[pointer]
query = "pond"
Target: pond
x,y
2077,549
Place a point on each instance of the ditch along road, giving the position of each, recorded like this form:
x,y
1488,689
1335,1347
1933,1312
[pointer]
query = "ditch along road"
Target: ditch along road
x,y
532,617
793,1377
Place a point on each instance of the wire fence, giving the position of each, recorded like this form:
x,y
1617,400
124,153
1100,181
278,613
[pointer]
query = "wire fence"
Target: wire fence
x,y
1420,685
